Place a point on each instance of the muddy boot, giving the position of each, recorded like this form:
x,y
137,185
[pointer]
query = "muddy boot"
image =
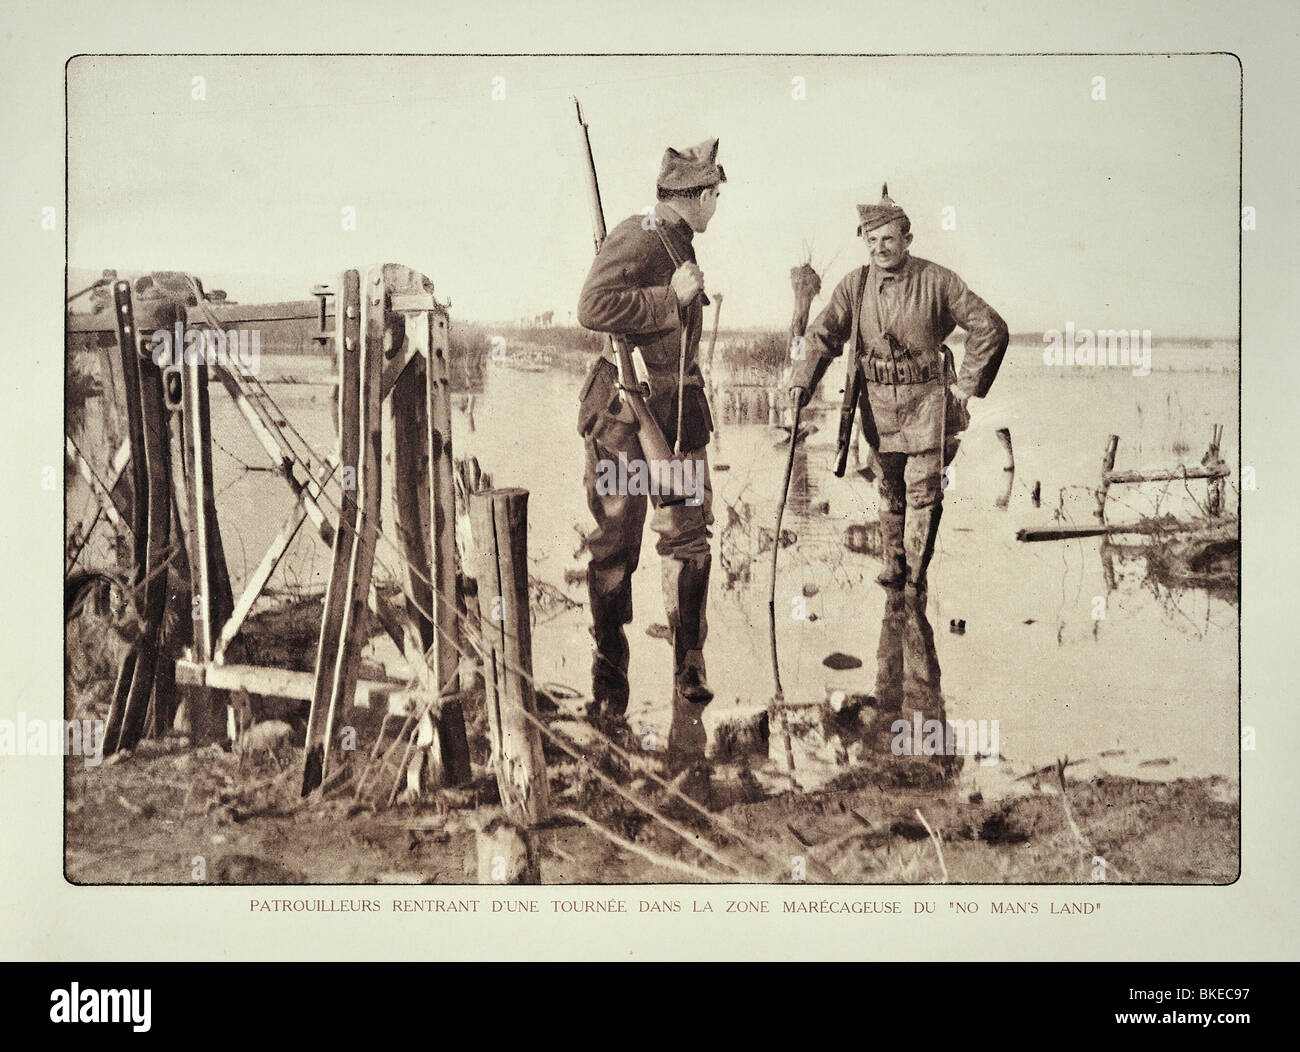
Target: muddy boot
x,y
610,594
918,542
894,571
889,654
686,594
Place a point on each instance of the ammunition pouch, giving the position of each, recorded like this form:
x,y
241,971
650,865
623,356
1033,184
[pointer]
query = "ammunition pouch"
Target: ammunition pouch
x,y
598,407
887,361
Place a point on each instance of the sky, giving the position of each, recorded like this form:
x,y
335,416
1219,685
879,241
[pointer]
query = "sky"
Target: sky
x,y
1120,212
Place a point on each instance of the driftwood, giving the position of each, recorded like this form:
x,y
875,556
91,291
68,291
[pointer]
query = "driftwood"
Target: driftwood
x,y
1200,529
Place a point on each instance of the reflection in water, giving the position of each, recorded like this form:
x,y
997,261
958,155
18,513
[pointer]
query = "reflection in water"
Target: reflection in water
x,y
686,736
908,675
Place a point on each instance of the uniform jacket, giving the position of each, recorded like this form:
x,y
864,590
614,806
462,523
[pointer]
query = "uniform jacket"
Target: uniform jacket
x,y
627,292
906,412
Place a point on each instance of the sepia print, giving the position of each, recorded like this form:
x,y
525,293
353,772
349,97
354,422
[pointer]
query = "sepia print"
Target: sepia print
x,y
651,470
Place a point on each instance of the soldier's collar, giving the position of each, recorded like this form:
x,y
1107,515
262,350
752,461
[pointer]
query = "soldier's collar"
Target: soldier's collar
x,y
671,222
879,276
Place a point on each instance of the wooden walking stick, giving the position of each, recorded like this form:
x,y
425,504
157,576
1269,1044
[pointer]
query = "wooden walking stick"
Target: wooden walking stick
x,y
778,698
713,339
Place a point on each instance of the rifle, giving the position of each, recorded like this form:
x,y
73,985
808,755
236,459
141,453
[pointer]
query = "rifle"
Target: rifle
x,y
658,454
848,411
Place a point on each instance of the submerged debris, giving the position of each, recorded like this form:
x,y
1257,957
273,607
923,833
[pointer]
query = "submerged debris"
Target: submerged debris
x,y
840,662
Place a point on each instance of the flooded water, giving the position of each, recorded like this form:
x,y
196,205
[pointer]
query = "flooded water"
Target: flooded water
x,y
1134,678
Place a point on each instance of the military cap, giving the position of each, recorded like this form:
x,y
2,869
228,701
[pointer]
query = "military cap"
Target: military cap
x,y
687,169
872,216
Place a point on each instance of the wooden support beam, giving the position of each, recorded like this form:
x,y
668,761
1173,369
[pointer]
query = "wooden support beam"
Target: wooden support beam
x,y
282,683
353,634
1215,471
126,358
266,431
448,643
209,577
499,520
154,452
266,567
257,580
348,348
103,491
197,429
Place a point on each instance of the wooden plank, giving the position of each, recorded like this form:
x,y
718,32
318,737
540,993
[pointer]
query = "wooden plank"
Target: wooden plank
x,y
127,356
266,567
406,455
1183,530
236,314
277,682
352,634
197,429
442,515
1215,471
129,360
203,709
257,581
300,477
348,348
499,520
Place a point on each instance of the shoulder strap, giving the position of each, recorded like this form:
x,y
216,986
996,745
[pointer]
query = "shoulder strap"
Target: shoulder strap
x,y
859,290
667,246
677,261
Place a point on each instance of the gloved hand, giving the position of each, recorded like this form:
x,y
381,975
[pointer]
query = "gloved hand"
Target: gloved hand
x,y
800,396
687,282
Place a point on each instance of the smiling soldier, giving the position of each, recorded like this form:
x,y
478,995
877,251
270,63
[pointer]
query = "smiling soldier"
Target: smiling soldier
x,y
897,311
646,286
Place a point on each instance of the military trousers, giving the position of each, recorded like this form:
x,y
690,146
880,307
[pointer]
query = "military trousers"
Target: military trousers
x,y
910,480
619,500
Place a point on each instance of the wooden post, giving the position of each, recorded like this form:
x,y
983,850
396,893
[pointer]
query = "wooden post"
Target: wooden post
x,y
713,339
442,514
329,646
1004,436
151,524
499,520
1214,488
206,708
1107,466
418,447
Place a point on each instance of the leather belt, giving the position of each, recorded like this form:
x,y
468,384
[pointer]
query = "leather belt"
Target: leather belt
x,y
897,370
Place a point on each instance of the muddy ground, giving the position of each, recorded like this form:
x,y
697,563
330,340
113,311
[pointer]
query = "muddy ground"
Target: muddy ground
x,y
170,814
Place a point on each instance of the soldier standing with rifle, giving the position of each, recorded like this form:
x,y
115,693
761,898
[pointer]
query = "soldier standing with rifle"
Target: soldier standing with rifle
x,y
896,313
646,287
